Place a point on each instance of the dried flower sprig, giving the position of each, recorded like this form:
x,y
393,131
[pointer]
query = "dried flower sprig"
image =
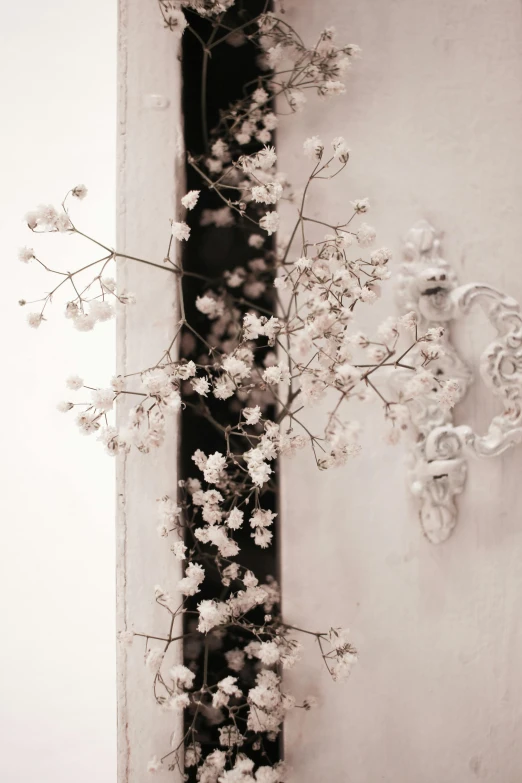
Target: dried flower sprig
x,y
253,349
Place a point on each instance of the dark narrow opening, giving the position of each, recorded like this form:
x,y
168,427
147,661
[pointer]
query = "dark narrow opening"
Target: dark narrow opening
x,y
213,250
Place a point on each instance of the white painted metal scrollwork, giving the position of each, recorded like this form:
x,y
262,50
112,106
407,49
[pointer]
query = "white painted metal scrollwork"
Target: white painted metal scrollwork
x,y
428,285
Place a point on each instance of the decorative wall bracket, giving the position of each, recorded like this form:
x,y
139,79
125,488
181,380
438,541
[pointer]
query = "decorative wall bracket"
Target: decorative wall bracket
x,y
428,285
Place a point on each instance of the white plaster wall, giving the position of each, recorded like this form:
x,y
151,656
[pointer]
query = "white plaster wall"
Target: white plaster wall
x,y
150,184
57,553
433,114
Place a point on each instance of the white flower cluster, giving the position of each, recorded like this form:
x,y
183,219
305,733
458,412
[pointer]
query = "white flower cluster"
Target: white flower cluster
x,y
92,303
271,646
48,218
158,389
259,343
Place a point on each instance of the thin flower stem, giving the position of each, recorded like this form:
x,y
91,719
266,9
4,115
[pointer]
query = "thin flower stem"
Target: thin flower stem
x,y
143,261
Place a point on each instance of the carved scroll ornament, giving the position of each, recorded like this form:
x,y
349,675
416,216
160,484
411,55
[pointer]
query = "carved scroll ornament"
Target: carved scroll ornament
x,y
427,284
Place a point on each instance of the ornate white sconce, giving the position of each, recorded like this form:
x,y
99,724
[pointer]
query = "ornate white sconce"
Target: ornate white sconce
x,y
428,285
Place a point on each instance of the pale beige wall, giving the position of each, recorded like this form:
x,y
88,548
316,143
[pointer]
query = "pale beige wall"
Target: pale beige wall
x,y
433,115
57,552
150,182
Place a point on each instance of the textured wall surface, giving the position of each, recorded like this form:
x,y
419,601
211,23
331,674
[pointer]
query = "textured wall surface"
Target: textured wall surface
x,y
150,155
433,115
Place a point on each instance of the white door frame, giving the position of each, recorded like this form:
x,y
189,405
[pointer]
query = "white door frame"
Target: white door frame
x,y
150,177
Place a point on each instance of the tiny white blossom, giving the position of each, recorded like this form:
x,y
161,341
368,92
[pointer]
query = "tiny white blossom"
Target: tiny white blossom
x,y
194,576
25,254
260,96
263,135
201,386
190,200
235,278
275,374
210,306
212,614
183,678
449,394
275,54
154,658
303,263
230,736
103,399
178,702
361,205
185,371
388,330
236,368
84,322
235,519
258,469
180,231
224,388
332,87
422,382
179,549
117,383
101,310
296,99
313,147
267,22
408,321
88,422
380,257
221,218
282,283
268,653
214,166
214,467
252,415
176,21
74,382
79,192
253,326
34,320
271,328
109,284
267,194
228,686
340,149
341,668
270,121
366,235
192,755
256,240
219,149
235,660
262,518
266,158
434,333
262,537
